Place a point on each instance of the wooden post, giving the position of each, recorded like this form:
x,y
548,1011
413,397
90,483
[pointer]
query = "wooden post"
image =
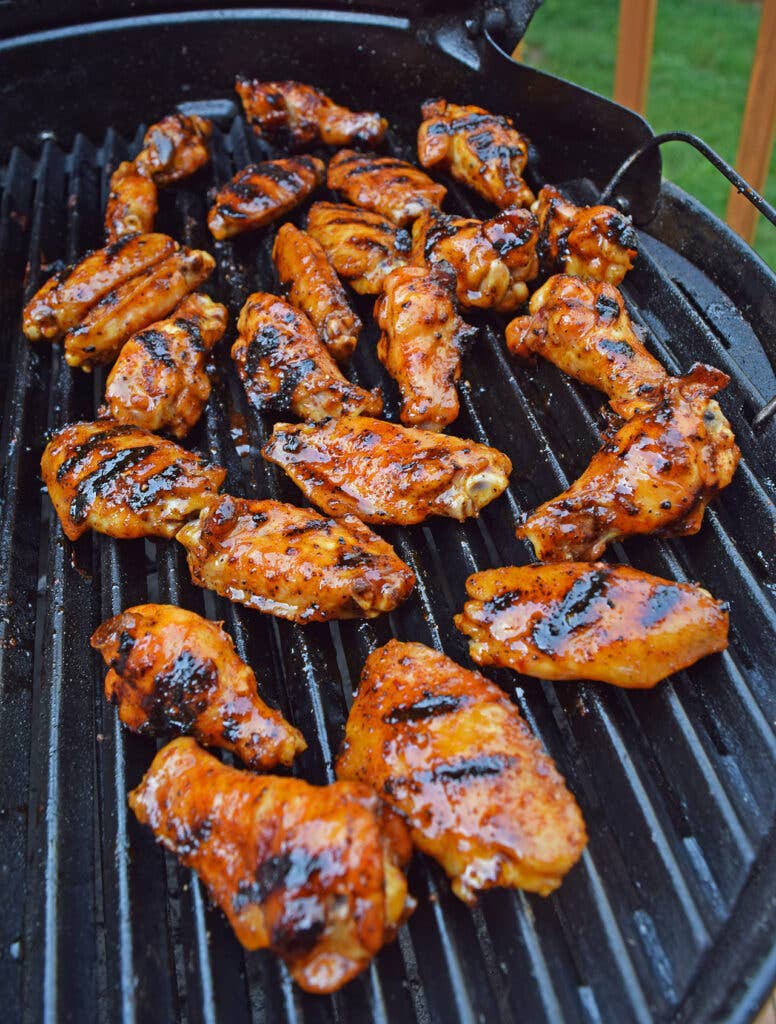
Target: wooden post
x,y
757,128
635,37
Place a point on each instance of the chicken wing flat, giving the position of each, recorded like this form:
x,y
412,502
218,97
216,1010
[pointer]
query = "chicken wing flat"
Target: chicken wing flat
x,y
484,151
596,242
132,203
132,306
363,247
655,475
306,871
292,563
172,672
261,193
421,340
584,328
312,285
590,620
284,365
384,185
491,259
159,381
300,115
449,751
124,481
384,473
174,148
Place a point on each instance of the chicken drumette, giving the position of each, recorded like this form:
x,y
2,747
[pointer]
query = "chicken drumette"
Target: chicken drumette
x,y
132,203
384,185
174,148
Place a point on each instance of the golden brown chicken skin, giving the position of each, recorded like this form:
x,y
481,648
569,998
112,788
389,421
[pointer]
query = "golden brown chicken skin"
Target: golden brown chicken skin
x,y
590,620
384,473
284,365
132,203
363,247
583,327
421,340
124,481
294,563
655,475
175,148
312,286
306,871
482,150
262,193
393,188
448,750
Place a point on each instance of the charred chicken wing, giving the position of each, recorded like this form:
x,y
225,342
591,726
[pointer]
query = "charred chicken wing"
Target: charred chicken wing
x,y
132,203
384,185
174,148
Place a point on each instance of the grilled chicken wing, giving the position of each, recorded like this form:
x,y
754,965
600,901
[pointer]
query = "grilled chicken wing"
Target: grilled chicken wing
x,y
284,365
174,148
363,247
158,381
313,287
384,473
420,343
484,151
309,872
655,475
492,259
584,328
449,751
132,203
383,184
302,115
292,563
124,481
583,620
261,193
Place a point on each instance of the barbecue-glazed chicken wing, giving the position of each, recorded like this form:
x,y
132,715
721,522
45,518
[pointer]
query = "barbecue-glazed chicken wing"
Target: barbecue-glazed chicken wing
x,y
363,247
484,151
309,872
384,185
175,148
292,562
124,481
451,754
590,620
159,381
262,193
384,473
301,115
655,475
312,285
132,203
584,328
421,340
284,365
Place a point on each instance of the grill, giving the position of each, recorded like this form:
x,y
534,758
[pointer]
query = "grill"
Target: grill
x,y
670,915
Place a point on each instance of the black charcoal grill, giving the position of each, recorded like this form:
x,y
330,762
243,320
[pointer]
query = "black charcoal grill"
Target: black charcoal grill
x,y
671,915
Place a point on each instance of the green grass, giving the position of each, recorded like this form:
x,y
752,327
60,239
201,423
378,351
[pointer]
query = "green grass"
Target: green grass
x,y
700,72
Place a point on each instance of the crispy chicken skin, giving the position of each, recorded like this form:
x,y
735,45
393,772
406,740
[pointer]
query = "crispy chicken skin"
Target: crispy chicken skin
x,y
491,259
132,203
306,871
655,475
590,620
484,151
384,185
384,473
301,115
312,285
124,481
363,247
421,340
262,193
175,148
292,562
284,365
595,242
583,328
448,750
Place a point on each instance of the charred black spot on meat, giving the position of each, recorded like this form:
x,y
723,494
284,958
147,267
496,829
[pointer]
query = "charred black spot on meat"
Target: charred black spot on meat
x,y
607,307
100,482
501,602
402,241
352,559
660,603
124,647
264,342
159,483
82,451
580,607
620,230
466,768
311,524
192,332
429,706
181,693
616,348
157,346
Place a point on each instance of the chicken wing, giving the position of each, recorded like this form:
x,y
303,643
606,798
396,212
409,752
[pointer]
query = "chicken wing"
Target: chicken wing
x,y
174,148
384,185
484,151
124,481
292,563
449,751
309,872
261,193
132,203
384,473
